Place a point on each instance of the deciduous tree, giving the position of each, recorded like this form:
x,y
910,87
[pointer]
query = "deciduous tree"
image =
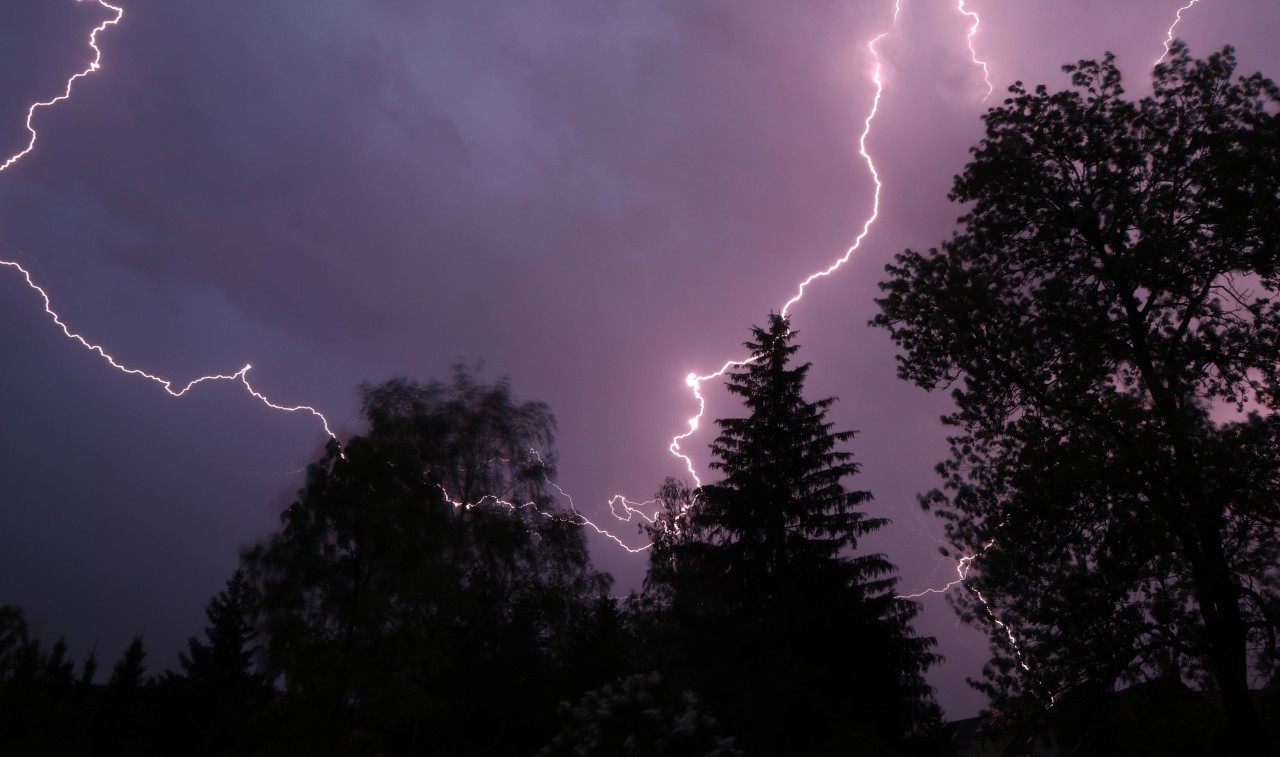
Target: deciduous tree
x,y
418,593
1107,322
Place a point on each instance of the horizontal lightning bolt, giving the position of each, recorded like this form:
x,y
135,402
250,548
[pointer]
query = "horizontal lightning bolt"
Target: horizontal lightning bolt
x,y
962,572
241,375
618,505
578,518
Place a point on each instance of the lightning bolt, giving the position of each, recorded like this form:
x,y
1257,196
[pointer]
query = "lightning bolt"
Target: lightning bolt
x,y
973,54
616,504
962,573
578,519
1168,37
871,167
241,375
94,65
619,506
695,381
617,499
964,564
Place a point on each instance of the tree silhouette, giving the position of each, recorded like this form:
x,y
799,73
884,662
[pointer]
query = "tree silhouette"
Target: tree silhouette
x,y
124,725
41,710
225,660
421,588
795,639
13,637
217,702
1105,318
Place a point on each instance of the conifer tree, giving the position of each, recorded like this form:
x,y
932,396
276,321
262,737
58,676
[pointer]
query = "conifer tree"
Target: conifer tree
x,y
796,639
224,665
123,725
215,702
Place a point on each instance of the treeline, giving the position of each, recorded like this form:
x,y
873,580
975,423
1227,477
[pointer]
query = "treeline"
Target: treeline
x,y
425,594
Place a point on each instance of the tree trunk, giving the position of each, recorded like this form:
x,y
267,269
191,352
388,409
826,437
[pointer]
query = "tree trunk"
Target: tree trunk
x,y
1220,609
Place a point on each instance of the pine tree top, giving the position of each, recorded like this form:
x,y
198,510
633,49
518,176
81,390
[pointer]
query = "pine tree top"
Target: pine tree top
x,y
783,497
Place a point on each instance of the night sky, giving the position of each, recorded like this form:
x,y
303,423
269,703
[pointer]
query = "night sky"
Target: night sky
x,y
593,198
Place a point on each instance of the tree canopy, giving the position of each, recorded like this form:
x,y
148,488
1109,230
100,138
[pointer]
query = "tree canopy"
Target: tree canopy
x,y
1107,322
763,591
420,586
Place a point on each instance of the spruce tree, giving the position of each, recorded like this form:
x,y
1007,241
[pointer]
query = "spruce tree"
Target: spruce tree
x,y
224,665
123,722
217,700
794,637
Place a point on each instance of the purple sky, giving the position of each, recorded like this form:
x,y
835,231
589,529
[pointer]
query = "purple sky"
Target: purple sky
x,y
594,198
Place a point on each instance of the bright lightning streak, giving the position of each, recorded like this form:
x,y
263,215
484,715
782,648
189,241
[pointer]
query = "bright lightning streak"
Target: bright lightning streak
x,y
693,380
1168,37
973,54
241,375
578,518
871,166
962,572
94,65
585,521
1013,643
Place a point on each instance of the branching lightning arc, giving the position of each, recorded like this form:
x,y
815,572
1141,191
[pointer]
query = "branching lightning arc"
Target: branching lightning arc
x,y
695,381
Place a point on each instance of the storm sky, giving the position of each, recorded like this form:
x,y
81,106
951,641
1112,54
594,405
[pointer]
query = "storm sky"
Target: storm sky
x,y
592,197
